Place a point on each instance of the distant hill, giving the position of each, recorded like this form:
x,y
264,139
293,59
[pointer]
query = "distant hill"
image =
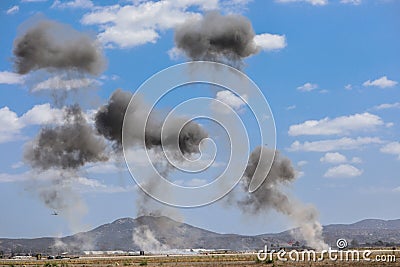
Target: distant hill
x,y
161,233
365,231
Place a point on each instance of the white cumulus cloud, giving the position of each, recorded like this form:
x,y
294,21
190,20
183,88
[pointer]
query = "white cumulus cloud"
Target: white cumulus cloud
x,y
392,148
344,143
7,77
38,115
270,42
334,158
127,26
382,82
337,126
231,100
343,170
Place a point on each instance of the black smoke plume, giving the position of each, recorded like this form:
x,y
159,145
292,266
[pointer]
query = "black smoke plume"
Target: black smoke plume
x,y
109,121
67,146
50,45
219,38
281,173
59,58
271,194
110,117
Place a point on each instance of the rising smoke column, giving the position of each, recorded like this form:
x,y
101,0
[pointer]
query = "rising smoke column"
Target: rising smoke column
x,y
109,122
49,52
227,39
57,153
271,195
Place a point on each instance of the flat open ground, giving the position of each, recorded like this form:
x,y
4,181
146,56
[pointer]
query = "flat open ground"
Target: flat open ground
x,y
195,260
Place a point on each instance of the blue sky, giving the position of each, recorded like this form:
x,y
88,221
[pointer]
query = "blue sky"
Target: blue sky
x,y
329,70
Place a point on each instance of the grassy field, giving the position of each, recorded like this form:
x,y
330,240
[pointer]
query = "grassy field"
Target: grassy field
x,y
231,260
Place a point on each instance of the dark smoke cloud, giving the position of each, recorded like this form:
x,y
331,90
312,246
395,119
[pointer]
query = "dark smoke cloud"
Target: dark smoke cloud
x,y
109,121
215,37
271,194
47,44
67,146
110,117
60,59
281,173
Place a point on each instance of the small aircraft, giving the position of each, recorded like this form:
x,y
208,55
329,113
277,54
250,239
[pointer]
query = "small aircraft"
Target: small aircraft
x,y
55,213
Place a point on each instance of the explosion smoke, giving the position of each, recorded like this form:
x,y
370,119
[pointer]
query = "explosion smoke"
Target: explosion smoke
x,y
270,195
50,45
67,146
227,39
57,153
143,237
53,47
110,117
109,122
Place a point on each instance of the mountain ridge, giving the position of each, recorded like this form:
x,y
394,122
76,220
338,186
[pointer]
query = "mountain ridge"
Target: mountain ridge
x,y
162,233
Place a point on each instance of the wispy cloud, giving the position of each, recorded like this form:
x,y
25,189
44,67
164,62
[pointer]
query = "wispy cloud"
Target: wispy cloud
x,y
351,2
12,10
337,126
291,107
307,87
312,2
75,4
7,77
348,87
388,106
32,1
62,83
392,148
344,143
382,82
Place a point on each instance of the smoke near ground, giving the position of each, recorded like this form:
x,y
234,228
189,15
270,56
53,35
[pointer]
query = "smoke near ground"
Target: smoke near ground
x,y
109,123
144,238
215,37
56,155
271,195
47,44
61,150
